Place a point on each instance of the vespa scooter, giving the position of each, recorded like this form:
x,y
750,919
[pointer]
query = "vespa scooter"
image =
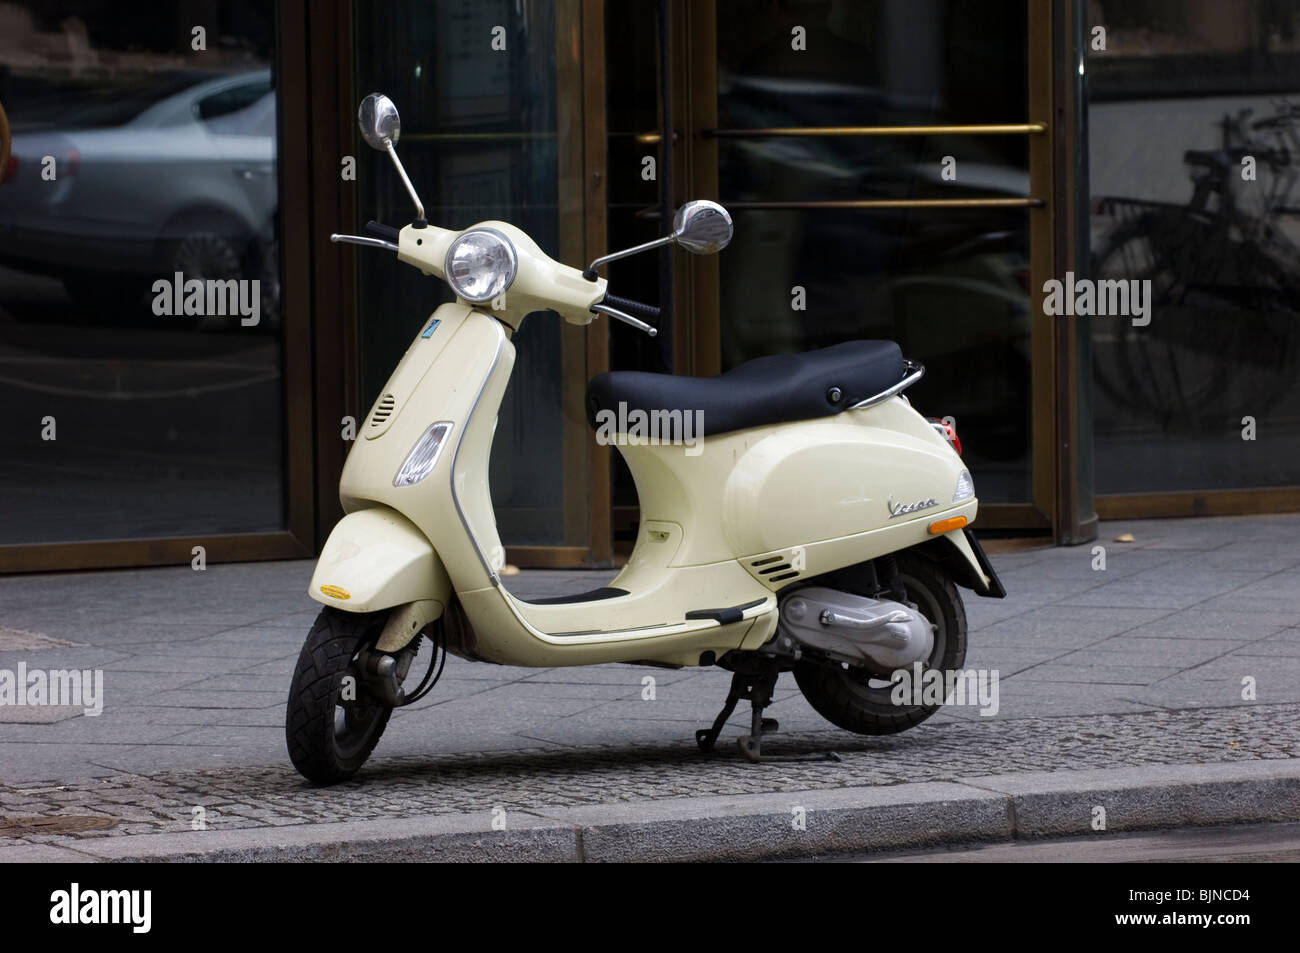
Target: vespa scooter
x,y
820,528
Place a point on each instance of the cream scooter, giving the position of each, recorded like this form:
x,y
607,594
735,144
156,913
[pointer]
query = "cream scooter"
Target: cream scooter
x,y
815,523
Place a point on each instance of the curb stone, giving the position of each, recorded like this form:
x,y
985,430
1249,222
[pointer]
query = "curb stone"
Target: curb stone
x,y
754,826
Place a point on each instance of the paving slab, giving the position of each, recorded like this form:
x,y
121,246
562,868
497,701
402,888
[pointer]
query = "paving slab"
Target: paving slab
x,y
1137,668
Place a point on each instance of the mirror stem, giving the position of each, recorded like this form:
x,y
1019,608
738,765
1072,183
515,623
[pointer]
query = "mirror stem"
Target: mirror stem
x,y
590,273
419,206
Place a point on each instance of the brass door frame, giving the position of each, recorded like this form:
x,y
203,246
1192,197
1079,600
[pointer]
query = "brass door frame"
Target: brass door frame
x,y
1045,470
334,273
581,161
693,64
297,539
1185,503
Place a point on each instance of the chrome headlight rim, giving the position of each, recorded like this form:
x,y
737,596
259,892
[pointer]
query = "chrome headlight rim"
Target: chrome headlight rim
x,y
511,273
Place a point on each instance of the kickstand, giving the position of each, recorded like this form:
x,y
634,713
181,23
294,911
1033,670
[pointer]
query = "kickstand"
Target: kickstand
x,y
757,690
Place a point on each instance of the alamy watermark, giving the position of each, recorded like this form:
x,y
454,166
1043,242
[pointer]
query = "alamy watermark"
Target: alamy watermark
x,y
73,906
930,686
651,428
211,297
1108,297
79,688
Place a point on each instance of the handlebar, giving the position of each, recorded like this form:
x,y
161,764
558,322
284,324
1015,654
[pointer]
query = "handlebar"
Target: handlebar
x,y
608,309
632,307
618,308
386,236
380,230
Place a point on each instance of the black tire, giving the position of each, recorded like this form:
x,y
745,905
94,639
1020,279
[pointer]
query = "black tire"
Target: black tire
x,y
1150,369
329,738
858,700
1219,303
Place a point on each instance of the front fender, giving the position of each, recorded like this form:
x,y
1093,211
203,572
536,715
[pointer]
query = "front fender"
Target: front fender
x,y
376,559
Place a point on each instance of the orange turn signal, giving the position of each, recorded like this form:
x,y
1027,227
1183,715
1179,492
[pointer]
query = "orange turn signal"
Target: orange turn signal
x,y
948,525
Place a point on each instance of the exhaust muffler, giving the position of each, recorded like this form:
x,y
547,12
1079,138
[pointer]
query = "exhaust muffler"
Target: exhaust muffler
x,y
859,630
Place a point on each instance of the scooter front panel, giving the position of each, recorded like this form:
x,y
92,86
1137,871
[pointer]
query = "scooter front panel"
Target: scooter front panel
x,y
463,378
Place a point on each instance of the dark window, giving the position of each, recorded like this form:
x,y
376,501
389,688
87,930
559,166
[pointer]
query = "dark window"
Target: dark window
x,y
232,100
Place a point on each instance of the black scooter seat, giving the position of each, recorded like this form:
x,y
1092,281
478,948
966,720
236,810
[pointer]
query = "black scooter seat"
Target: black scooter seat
x,y
766,390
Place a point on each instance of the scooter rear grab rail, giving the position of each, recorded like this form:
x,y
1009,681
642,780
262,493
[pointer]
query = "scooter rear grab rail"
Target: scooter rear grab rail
x,y
913,371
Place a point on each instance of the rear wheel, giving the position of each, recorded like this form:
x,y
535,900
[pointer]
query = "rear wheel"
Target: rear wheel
x,y
331,725
859,699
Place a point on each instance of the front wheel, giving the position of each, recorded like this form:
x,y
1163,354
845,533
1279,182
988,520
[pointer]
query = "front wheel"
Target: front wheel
x,y
860,700
331,725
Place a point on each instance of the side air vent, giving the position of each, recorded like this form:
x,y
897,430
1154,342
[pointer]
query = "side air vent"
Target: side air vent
x,y
773,568
383,410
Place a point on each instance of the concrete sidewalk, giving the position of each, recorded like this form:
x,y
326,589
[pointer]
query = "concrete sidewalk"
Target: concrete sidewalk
x,y
1120,689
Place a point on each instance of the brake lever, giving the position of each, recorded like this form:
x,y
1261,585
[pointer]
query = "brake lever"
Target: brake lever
x,y
363,240
605,309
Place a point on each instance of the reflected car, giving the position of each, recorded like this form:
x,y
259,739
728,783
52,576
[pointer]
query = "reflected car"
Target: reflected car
x,y
112,189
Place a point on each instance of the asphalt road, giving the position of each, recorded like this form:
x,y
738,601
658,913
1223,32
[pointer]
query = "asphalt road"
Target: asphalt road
x,y
1256,843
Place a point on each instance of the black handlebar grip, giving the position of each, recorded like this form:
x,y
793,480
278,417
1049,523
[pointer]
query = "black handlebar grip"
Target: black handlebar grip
x,y
631,307
380,230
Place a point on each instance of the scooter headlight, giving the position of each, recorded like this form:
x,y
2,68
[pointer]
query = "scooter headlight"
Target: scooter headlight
x,y
965,487
424,455
481,265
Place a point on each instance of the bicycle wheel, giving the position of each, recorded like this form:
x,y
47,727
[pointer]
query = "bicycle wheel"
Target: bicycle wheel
x,y
1172,369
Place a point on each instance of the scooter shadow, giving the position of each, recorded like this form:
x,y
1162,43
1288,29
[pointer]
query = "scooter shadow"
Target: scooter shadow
x,y
639,759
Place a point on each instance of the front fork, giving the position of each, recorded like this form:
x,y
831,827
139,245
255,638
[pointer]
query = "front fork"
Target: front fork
x,y
380,675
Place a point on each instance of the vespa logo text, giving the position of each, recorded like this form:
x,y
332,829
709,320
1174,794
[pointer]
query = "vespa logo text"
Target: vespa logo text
x,y
902,509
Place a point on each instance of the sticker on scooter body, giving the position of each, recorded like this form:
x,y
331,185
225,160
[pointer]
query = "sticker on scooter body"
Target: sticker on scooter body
x,y
433,326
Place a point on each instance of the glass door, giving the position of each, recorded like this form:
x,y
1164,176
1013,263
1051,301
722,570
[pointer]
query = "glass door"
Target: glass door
x,y
889,168
875,158
1194,111
493,123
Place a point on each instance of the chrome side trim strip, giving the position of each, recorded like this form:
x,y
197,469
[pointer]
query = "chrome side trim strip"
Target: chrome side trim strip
x,y
455,457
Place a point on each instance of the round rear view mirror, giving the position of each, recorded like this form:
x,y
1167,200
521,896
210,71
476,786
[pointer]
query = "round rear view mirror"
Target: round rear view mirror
x,y
378,121
702,227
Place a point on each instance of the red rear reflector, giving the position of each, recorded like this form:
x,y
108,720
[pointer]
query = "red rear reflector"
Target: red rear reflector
x,y
948,432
